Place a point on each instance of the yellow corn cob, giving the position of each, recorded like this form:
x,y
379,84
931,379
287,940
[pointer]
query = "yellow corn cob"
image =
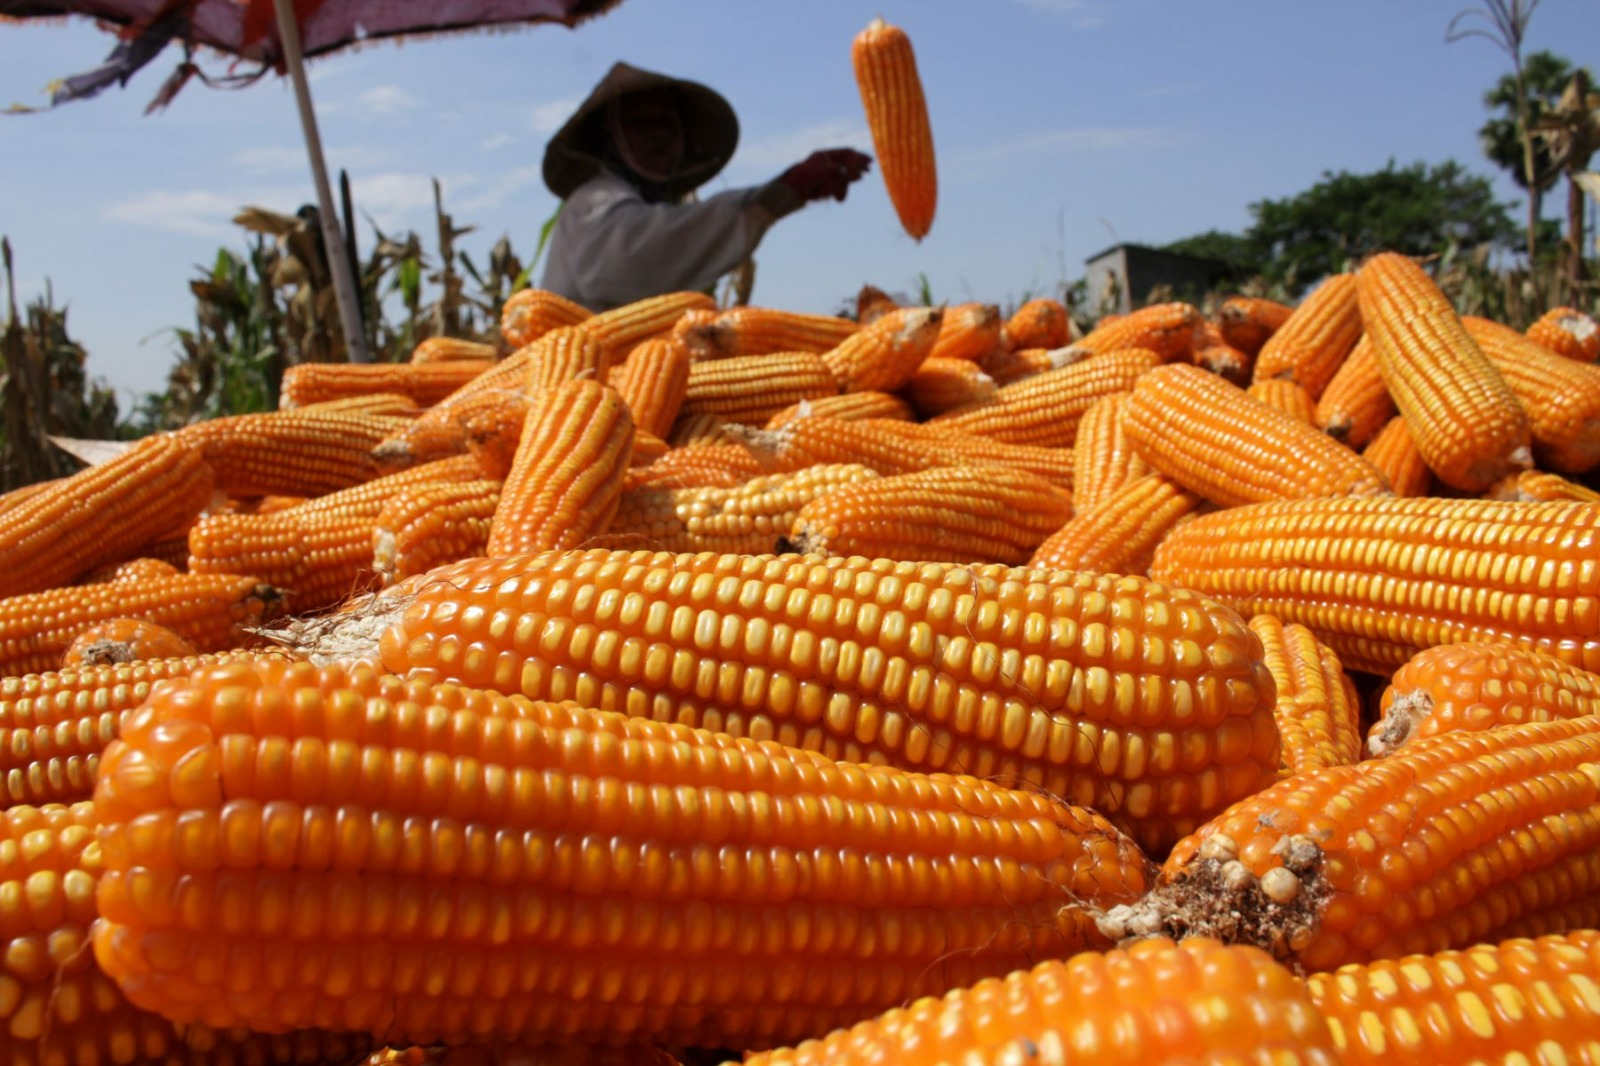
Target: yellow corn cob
x,y
1211,352
1006,365
846,406
1167,329
620,328
954,514
1118,533
1380,579
210,611
101,515
1567,332
883,356
1218,442
1427,850
698,466
567,477
897,115
454,350
1318,710
1159,1001
1536,485
1039,323
56,1006
1356,403
425,383
969,331
1462,687
1394,454
1561,396
748,518
1516,1001
528,314
566,353
1247,322
304,452
124,640
1044,409
1282,394
942,384
375,854
763,330
652,381
425,526
54,725
1103,459
1465,419
1147,702
1315,339
750,389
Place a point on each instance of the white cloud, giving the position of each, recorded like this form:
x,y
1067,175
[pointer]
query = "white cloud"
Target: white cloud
x,y
386,100
199,212
777,151
267,158
499,140
397,198
547,118
487,195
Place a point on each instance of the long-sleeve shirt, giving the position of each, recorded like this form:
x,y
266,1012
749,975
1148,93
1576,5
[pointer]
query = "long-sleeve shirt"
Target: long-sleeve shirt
x,y
611,247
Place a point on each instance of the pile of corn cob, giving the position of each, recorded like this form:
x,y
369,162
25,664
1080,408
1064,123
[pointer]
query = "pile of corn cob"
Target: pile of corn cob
x,y
471,709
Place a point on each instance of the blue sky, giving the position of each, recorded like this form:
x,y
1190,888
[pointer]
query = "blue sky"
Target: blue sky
x,y
1061,126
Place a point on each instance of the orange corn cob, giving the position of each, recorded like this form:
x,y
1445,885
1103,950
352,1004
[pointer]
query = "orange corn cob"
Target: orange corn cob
x,y
1006,365
952,514
1159,1001
846,406
567,477
100,515
425,383
696,329
620,328
883,356
1212,353
1356,403
647,448
1380,579
1018,676
493,1052
56,1006
1318,710
210,611
383,404
1118,533
454,350
1516,1001
1044,409
430,863
425,526
897,115
1315,339
969,331
1286,396
1247,322
694,430
566,353
750,389
1567,332
1561,396
1536,485
894,447
10,499
1103,459
124,640
491,429
942,384
748,518
1429,849
1039,323
652,381
1465,419
142,569
1218,442
1578,915
529,314
304,452
264,504
1167,329
53,726
367,499
698,466
1472,687
1394,454
763,330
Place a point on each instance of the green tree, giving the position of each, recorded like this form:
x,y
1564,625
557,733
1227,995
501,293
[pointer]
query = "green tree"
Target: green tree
x,y
1237,251
1416,210
1544,76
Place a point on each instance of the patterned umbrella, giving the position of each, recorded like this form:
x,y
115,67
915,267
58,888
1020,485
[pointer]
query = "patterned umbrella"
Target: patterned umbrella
x,y
276,35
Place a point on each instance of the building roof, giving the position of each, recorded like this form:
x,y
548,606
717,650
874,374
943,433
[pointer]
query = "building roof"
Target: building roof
x,y
1146,249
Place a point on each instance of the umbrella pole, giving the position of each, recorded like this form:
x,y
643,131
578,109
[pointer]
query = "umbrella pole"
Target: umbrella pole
x,y
344,284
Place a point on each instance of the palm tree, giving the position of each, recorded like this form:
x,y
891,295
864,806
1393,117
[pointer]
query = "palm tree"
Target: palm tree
x,y
1570,133
1544,75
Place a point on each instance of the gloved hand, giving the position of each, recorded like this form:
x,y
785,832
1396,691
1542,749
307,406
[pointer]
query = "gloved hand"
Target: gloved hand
x,y
827,173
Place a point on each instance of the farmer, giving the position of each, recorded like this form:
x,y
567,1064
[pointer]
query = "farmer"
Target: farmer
x,y
624,164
